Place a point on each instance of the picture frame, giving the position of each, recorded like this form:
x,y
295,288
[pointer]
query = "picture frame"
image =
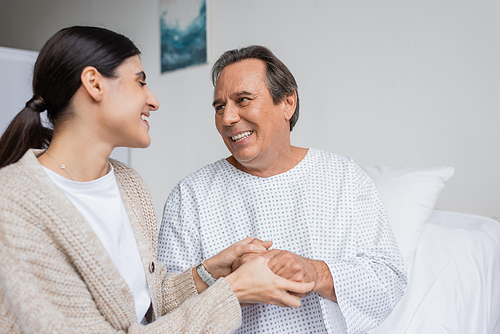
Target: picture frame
x,y
183,33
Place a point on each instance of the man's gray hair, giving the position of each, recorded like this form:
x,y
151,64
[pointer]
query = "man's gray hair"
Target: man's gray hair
x,y
279,79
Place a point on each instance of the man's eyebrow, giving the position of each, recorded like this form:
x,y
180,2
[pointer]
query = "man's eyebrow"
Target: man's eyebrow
x,y
217,101
242,93
233,96
142,75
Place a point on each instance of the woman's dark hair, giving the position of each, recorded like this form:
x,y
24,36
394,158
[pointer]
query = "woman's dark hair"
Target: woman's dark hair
x,y
56,78
279,79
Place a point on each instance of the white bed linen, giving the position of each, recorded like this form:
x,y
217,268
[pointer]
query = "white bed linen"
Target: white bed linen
x,y
454,283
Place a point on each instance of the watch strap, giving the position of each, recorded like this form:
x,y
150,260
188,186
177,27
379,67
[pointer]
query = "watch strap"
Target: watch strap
x,y
205,275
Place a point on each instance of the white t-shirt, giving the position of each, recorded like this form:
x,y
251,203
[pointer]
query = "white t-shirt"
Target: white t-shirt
x,y
101,205
325,208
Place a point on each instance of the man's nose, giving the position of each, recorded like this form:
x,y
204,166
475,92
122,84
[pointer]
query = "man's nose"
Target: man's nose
x,y
231,115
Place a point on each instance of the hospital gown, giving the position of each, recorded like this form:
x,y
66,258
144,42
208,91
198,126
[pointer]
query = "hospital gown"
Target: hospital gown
x,y
325,208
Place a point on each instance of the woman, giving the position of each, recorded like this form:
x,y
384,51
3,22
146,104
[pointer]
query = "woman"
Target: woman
x,y
77,229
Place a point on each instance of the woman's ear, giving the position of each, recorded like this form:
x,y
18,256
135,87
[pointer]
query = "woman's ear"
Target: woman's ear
x,y
290,103
92,82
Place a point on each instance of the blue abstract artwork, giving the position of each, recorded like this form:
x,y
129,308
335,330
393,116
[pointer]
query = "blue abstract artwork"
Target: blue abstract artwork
x,y
183,33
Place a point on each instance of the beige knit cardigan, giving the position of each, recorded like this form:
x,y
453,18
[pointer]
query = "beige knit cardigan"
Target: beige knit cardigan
x,y
56,276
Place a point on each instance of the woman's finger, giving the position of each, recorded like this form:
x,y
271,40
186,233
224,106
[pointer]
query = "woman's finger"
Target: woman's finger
x,y
259,242
245,241
243,248
248,248
298,288
290,300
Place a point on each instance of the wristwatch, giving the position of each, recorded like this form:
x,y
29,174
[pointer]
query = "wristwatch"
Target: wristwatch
x,y
205,275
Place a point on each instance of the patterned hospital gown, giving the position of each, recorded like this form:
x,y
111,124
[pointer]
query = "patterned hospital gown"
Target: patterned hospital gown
x,y
325,208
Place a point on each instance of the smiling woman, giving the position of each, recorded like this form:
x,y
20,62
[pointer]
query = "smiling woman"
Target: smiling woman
x,y
125,121
78,233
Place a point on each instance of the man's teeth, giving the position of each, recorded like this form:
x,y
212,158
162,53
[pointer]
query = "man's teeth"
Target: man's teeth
x,y
241,136
145,118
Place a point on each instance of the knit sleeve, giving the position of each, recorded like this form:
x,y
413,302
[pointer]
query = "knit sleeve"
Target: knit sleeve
x,y
216,310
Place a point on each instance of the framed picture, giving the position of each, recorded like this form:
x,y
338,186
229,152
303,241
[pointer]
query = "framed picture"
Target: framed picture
x,y
183,33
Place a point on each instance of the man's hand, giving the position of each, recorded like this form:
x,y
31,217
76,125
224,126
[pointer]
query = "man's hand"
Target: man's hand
x,y
298,269
292,267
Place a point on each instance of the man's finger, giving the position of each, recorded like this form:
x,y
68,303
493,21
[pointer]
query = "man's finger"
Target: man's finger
x,y
270,254
276,262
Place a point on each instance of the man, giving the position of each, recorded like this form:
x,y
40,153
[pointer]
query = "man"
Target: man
x,y
320,209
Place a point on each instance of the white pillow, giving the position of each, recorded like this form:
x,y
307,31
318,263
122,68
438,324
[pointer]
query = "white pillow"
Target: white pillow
x,y
409,195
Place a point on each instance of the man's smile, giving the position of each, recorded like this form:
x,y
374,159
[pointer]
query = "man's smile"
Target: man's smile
x,y
241,136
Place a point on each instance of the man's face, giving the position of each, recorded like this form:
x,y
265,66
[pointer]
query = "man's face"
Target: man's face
x,y
254,129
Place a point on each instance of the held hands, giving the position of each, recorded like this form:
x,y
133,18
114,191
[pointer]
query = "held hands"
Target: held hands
x,y
220,264
298,269
254,282
287,265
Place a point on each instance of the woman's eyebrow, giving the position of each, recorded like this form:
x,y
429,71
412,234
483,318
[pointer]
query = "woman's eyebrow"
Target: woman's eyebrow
x,y
142,75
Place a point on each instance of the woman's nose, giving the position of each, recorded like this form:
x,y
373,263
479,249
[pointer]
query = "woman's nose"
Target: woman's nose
x,y
151,101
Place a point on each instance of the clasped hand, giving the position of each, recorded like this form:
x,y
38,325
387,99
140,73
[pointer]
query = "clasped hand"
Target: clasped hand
x,y
295,268
286,264
252,278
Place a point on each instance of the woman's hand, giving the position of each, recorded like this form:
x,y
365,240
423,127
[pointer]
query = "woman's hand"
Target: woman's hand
x,y
220,265
254,282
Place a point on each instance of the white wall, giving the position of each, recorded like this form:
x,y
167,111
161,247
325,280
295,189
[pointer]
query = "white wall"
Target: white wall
x,y
16,70
397,83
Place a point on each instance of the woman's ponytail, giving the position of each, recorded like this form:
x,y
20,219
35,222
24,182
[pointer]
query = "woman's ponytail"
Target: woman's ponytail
x,y
24,132
37,104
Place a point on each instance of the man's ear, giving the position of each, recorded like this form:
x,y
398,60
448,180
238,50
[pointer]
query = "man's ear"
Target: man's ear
x,y
290,102
92,82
